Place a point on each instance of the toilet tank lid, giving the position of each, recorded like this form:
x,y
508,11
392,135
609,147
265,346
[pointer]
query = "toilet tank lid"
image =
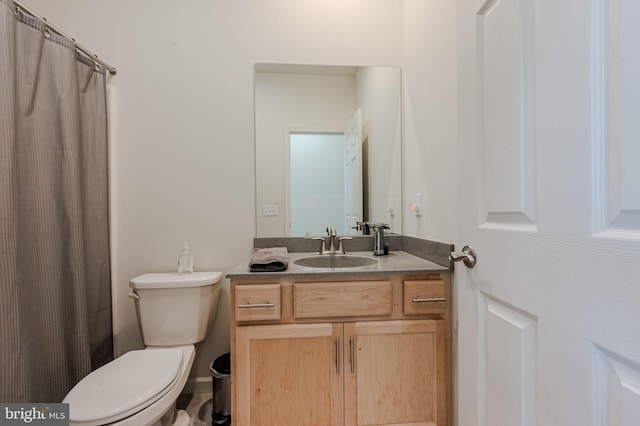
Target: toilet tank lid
x,y
175,280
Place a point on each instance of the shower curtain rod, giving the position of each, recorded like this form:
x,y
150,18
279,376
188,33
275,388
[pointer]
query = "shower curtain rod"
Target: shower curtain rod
x,y
22,9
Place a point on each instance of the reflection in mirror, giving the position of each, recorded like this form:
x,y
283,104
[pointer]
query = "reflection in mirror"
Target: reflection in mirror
x,y
302,184
316,181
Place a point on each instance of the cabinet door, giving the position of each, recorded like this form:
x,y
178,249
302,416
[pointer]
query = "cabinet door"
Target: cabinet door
x,y
289,375
396,373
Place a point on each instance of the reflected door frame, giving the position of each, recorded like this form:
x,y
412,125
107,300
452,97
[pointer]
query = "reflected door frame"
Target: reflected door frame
x,y
288,202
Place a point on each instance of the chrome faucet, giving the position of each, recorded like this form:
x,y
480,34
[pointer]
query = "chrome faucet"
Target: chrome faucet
x,y
331,231
379,248
332,242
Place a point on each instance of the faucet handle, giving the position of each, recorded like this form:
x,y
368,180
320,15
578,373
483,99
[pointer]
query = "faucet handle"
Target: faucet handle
x,y
323,248
341,248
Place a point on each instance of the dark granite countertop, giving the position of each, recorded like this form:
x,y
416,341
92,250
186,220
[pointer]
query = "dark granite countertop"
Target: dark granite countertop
x,y
396,262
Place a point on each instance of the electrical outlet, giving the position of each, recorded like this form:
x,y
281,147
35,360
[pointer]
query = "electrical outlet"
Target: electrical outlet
x,y
391,207
269,210
417,204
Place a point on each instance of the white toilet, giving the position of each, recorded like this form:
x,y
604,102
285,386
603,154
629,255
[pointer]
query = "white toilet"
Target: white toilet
x,y
141,387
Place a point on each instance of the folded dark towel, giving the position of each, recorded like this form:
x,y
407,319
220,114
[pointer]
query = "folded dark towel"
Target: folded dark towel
x,y
272,259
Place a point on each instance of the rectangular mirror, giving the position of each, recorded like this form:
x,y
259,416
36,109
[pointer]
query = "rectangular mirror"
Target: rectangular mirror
x,y
328,148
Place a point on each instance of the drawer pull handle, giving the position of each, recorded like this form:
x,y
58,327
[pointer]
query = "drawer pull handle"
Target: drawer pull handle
x,y
429,299
257,305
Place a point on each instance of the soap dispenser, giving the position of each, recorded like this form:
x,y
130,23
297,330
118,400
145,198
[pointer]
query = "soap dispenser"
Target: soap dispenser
x,y
185,260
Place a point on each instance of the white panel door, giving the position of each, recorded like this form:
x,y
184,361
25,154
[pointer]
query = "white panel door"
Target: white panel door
x,y
353,203
548,329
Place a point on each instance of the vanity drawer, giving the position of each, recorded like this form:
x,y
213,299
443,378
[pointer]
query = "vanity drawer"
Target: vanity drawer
x,y
424,297
342,299
257,302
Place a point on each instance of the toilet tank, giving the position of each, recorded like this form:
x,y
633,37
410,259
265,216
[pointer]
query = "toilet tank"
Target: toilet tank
x,y
173,308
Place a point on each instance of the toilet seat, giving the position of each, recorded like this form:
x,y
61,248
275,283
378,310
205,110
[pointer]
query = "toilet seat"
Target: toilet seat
x,y
124,386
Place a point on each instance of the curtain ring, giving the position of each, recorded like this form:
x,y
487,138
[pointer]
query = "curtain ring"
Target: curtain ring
x,y
18,11
47,32
97,66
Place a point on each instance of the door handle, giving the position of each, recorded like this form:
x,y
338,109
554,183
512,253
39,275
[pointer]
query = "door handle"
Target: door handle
x,y
467,255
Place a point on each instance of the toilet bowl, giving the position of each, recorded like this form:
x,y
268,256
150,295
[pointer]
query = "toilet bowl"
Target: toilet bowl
x,y
159,376
141,387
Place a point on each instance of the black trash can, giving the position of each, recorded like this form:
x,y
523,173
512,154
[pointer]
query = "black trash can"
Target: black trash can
x,y
221,375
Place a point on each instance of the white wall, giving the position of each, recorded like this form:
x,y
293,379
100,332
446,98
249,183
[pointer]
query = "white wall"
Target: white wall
x,y
183,152
430,117
379,96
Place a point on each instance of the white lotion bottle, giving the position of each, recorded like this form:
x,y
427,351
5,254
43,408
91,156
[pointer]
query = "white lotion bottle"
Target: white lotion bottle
x,y
185,260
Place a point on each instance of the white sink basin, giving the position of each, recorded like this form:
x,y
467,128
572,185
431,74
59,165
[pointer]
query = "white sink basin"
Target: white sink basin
x,y
335,261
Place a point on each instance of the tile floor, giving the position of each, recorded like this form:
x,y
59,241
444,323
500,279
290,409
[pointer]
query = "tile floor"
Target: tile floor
x,y
199,406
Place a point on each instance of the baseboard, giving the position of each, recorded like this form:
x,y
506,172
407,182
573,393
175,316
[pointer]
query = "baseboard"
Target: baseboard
x,y
198,385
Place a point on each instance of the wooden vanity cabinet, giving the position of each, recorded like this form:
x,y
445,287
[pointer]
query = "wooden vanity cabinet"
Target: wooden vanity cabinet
x,y
286,375
398,373
324,361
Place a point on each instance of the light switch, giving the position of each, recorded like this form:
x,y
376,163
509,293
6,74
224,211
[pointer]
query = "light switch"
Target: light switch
x,y
269,210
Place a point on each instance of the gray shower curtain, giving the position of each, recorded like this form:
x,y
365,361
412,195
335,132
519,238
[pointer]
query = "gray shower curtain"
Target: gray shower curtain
x,y
55,297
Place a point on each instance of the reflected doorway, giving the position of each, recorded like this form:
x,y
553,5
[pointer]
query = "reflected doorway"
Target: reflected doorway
x,y
316,183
